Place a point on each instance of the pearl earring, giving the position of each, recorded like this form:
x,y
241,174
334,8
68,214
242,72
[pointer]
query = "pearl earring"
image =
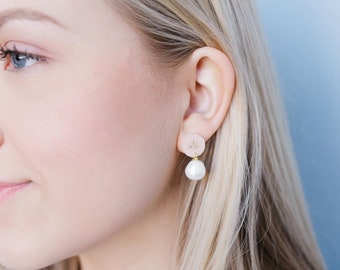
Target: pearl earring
x,y
194,146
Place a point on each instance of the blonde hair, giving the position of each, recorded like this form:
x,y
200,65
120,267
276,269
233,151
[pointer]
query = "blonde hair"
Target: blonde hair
x,y
249,212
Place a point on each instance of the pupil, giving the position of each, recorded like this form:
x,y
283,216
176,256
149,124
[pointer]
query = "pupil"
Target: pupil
x,y
19,61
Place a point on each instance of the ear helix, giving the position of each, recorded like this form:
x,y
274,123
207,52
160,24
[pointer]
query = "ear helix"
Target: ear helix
x,y
194,146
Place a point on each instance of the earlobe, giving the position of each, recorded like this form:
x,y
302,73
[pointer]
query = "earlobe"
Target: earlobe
x,y
211,88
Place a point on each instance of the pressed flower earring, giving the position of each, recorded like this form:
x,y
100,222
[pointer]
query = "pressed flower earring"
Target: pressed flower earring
x,y
194,146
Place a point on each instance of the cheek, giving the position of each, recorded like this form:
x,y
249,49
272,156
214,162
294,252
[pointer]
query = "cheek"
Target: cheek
x,y
102,153
95,140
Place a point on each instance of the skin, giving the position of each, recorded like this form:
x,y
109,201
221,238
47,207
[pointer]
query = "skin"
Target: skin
x,y
77,127
96,129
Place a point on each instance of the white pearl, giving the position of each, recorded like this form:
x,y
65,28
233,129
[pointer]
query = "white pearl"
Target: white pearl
x,y
195,170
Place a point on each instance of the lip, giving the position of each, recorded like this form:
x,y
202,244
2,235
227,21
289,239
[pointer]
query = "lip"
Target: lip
x,y
7,190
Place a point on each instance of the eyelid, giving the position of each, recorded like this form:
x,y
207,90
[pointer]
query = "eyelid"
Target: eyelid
x,y
27,48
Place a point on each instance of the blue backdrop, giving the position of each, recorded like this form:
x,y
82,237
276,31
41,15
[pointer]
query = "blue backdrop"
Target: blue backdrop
x,y
304,39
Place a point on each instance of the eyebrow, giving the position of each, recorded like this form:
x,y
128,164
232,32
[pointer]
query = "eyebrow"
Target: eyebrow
x,y
26,14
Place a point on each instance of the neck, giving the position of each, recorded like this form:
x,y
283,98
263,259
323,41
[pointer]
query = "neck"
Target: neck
x,y
148,243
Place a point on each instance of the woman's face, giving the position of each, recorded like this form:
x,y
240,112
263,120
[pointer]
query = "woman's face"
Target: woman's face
x,y
86,120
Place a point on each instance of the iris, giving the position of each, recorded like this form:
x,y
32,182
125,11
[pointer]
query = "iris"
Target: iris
x,y
20,60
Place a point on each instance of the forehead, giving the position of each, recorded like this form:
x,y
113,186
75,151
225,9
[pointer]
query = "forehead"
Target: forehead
x,y
71,13
79,18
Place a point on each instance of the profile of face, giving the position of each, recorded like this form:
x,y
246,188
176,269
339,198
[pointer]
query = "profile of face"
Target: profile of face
x,y
86,120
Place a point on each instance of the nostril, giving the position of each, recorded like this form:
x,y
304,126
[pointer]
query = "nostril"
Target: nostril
x,y
2,137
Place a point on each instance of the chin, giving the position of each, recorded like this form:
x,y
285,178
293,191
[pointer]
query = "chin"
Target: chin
x,y
23,264
21,260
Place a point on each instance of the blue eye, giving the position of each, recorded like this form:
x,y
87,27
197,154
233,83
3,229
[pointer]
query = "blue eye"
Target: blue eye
x,y
15,60
19,60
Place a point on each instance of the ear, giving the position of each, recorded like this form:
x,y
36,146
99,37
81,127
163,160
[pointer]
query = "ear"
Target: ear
x,y
210,83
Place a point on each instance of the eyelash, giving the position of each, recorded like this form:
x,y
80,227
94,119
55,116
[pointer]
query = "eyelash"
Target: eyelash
x,y
4,53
